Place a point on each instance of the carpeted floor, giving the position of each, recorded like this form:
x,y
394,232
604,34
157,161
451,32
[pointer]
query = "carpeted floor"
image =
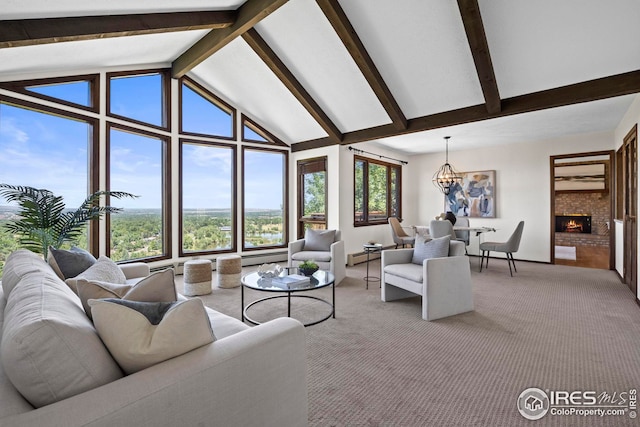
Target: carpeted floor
x,y
553,327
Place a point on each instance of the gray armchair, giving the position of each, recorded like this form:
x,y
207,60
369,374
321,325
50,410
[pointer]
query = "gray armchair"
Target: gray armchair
x,y
509,247
443,283
328,253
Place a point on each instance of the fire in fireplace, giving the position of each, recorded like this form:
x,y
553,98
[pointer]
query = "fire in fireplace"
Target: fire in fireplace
x,y
575,223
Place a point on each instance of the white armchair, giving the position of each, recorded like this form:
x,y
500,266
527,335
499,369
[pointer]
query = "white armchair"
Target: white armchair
x,y
331,258
443,283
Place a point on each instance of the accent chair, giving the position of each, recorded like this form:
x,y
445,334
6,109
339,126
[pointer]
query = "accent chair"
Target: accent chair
x,y
443,281
324,247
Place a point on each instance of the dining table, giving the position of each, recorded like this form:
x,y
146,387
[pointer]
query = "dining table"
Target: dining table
x,y
423,230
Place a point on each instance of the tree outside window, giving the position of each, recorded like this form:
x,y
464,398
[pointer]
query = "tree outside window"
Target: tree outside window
x,y
377,190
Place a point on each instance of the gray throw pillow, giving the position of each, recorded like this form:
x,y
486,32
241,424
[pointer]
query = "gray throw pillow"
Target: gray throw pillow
x,y
69,263
318,240
427,249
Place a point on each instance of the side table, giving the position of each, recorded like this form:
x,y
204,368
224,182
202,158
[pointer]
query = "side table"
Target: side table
x,y
369,249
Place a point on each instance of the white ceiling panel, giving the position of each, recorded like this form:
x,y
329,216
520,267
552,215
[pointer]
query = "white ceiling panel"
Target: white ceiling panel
x,y
419,47
92,54
238,75
542,44
306,42
23,9
591,117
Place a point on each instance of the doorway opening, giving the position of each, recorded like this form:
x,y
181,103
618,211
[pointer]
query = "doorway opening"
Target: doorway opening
x,y
582,210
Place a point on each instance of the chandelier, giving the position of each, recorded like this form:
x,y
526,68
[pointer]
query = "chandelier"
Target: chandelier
x,y
446,176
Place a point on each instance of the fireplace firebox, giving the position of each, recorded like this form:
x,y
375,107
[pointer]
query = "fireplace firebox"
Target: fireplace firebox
x,y
575,223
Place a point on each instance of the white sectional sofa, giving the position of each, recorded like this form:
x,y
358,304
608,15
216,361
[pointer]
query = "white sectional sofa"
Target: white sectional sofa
x,y
246,377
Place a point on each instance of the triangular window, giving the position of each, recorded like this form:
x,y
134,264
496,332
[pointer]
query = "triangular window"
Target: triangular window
x,y
203,113
78,91
251,132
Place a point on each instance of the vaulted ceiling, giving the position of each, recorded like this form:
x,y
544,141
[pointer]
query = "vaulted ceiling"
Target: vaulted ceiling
x,y
322,72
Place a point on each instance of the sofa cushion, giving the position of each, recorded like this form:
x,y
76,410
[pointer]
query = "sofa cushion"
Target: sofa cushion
x,y
157,287
311,256
104,270
432,248
69,263
12,401
318,240
50,349
20,263
141,334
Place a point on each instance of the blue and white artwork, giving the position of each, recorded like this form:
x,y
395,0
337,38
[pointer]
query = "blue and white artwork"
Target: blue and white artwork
x,y
475,196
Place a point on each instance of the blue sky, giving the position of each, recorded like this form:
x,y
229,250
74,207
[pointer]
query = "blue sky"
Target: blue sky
x,y
45,151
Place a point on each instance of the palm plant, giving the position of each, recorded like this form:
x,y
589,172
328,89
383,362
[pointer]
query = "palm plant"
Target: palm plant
x,y
45,221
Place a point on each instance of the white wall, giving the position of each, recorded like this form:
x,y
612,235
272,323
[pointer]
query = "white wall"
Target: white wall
x,y
522,187
340,194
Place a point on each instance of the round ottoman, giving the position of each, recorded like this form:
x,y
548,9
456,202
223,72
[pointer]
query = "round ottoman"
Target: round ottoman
x,y
197,277
229,269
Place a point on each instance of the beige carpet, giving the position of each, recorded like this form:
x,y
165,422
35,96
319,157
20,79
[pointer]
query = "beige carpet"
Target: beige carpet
x,y
551,327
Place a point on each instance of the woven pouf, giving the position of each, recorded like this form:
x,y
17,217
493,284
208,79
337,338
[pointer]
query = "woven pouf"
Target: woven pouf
x,y
229,269
197,277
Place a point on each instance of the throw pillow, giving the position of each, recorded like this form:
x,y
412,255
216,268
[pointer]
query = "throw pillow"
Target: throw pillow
x,y
141,334
318,240
157,287
427,249
104,270
69,263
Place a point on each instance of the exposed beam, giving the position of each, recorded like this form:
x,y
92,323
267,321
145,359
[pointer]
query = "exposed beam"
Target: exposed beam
x,y
473,26
25,32
592,90
249,14
272,60
341,24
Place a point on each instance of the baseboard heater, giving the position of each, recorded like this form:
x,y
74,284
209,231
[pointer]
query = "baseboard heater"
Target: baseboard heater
x,y
360,257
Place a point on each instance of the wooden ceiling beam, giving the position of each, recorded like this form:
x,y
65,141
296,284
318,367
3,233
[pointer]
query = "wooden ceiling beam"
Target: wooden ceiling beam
x,y
341,24
26,32
249,14
473,26
276,65
589,91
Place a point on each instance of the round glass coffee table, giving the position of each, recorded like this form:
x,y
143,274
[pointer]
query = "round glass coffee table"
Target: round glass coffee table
x,y
319,279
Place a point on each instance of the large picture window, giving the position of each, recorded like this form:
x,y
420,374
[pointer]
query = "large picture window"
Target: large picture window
x,y
45,150
137,165
207,197
264,198
377,190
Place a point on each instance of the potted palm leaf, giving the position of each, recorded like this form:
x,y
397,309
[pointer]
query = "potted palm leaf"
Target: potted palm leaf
x,y
43,219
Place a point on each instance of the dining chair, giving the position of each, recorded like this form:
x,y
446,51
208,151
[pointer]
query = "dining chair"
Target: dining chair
x,y
400,237
509,248
441,228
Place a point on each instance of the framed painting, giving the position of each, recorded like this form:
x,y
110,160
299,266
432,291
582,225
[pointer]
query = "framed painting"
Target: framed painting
x,y
475,196
581,176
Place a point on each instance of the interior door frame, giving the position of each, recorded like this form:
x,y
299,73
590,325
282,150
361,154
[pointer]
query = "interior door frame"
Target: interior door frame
x,y
627,207
609,185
